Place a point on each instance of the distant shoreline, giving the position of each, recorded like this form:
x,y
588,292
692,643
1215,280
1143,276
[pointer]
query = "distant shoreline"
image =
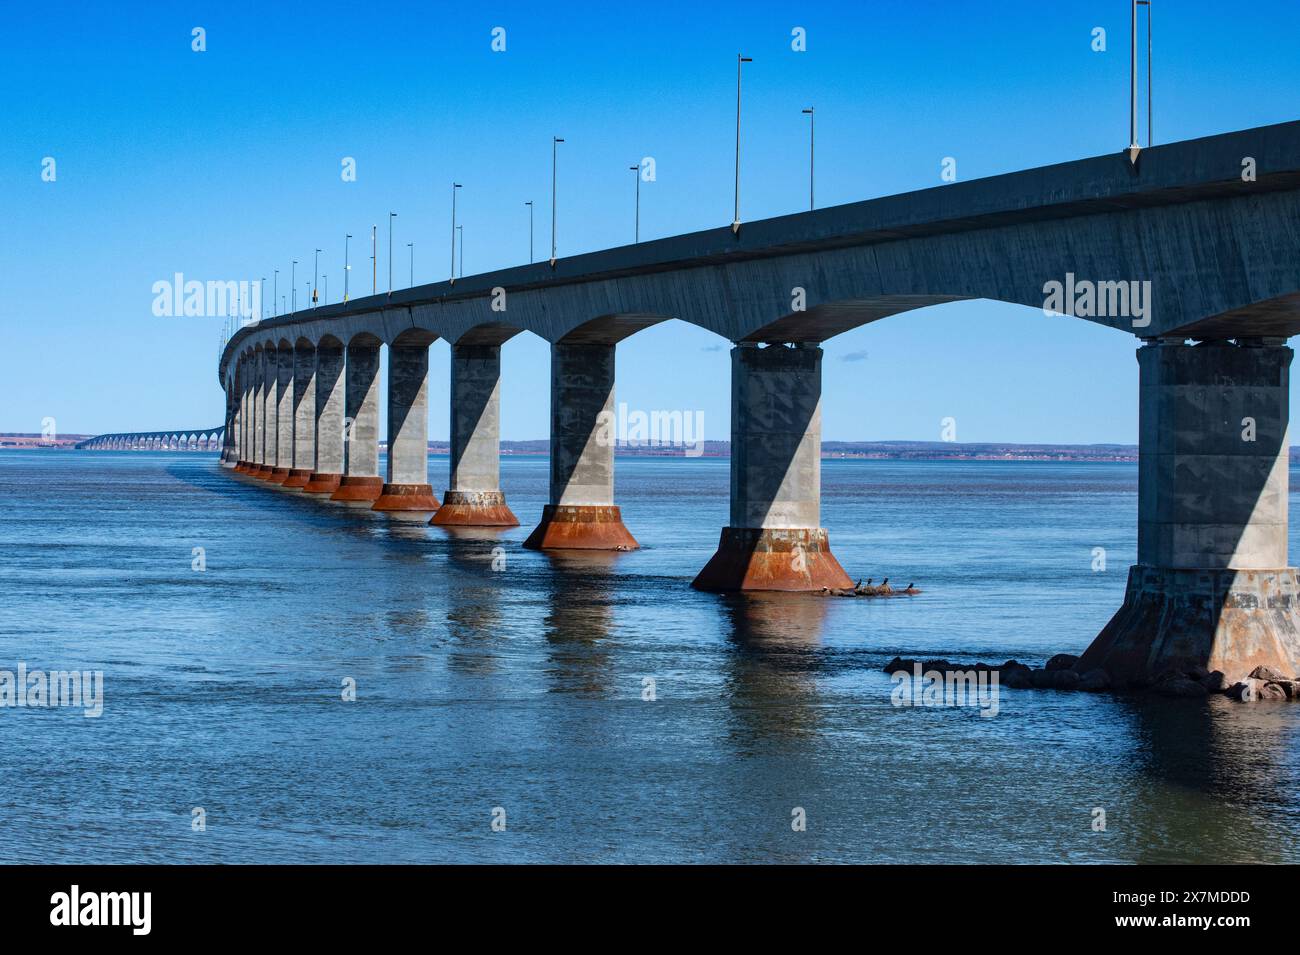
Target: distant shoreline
x,y
831,450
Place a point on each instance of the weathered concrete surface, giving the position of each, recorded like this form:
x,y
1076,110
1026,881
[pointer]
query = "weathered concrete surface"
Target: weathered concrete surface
x,y
581,514
304,416
1222,256
774,541
283,457
1230,621
230,424
407,487
1211,587
328,468
474,498
245,415
581,527
361,480
474,509
1212,474
267,405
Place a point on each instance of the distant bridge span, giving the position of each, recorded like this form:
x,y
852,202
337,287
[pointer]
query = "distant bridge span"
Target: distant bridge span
x,y
191,439
1196,240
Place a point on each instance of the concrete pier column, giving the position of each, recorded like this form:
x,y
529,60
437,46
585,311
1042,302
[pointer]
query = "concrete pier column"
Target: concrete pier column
x,y
407,487
304,416
270,413
229,447
582,514
1212,588
474,498
264,378
246,418
361,480
241,419
328,467
283,458
774,541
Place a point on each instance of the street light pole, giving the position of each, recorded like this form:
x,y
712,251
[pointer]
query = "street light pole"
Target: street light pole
x,y
812,164
346,267
374,261
454,187
261,297
1150,132
555,141
391,217
293,283
315,282
735,222
411,246
636,235
529,204
1133,147
461,230
1132,81
275,293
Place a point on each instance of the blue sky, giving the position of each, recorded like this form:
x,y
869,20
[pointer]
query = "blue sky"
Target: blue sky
x,y
225,164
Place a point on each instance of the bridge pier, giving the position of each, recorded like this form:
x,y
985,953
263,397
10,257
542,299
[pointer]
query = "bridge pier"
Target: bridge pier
x,y
230,436
407,487
1212,587
361,480
304,417
328,467
241,398
773,541
282,459
581,514
474,498
263,408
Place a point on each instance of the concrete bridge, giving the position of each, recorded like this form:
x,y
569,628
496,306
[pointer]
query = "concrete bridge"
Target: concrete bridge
x,y
1196,241
201,439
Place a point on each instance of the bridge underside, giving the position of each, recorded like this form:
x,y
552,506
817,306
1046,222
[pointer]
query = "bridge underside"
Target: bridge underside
x,y
1177,246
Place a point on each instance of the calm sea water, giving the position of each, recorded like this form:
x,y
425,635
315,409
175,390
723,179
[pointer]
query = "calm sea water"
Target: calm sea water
x,y
520,687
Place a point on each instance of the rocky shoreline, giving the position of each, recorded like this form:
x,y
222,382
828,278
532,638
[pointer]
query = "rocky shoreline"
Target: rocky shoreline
x,y
868,590
1061,672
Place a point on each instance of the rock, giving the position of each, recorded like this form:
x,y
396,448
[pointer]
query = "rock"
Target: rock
x,y
1290,687
898,663
1094,681
1254,690
1014,670
1062,661
1179,686
1041,679
1065,679
1215,682
1198,674
1272,691
1018,679
1268,675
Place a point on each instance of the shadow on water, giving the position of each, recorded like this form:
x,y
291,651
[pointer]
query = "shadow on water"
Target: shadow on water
x,y
1213,781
